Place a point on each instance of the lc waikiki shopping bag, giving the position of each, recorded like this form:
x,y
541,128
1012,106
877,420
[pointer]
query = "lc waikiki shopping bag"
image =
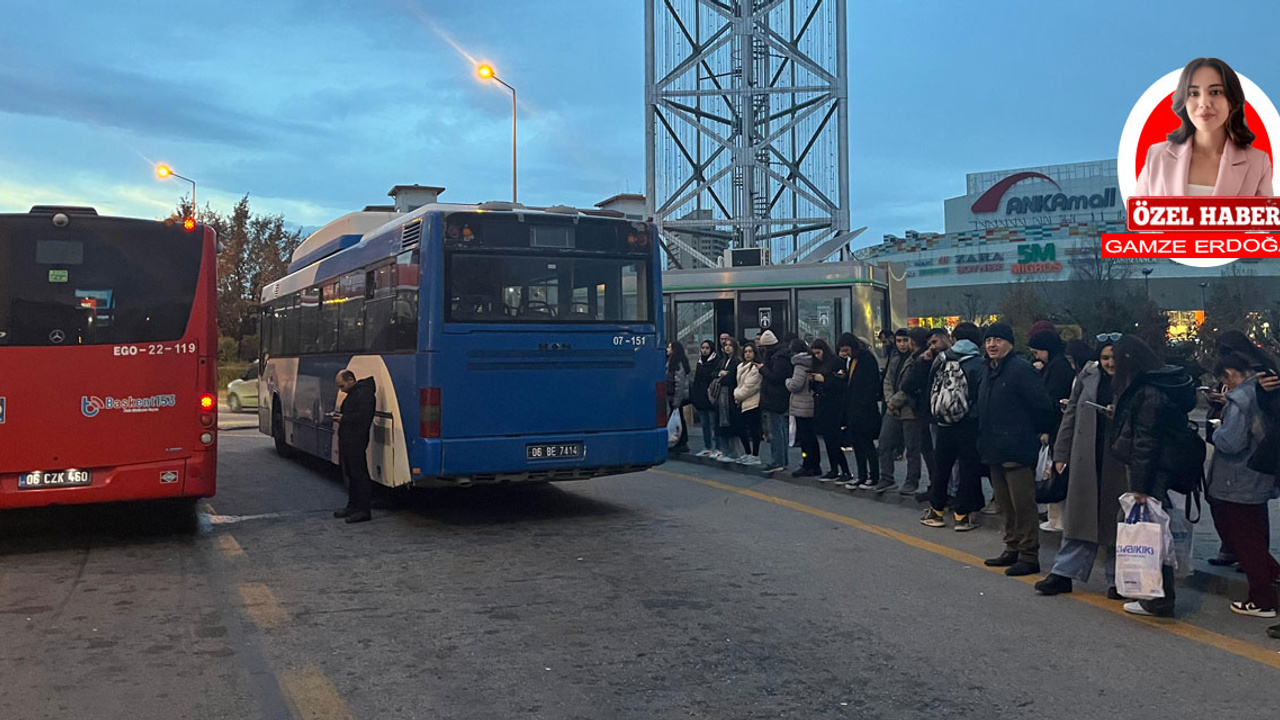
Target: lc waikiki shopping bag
x,y
1140,551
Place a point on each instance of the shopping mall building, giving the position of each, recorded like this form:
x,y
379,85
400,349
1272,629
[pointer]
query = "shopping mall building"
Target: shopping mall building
x,y
1038,225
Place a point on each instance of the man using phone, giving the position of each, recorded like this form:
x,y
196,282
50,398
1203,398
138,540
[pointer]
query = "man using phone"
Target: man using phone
x,y
354,419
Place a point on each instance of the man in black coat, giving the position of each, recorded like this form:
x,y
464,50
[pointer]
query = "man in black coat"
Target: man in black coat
x,y
1015,417
774,362
355,419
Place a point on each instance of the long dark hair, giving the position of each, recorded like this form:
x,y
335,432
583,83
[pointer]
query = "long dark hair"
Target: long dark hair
x,y
710,357
828,357
1237,129
678,357
1234,341
852,342
1133,357
798,346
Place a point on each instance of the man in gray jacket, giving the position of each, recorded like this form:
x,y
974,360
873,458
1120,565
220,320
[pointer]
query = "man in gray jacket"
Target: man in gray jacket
x,y
897,426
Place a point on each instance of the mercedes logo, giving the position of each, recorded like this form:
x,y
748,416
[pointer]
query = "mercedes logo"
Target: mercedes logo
x,y
57,336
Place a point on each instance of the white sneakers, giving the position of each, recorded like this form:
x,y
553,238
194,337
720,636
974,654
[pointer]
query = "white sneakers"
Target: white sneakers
x,y
721,457
748,460
1248,608
706,453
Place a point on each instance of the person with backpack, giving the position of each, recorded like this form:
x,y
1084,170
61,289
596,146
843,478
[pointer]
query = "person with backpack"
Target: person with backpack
x,y
828,381
699,395
1153,439
953,403
1097,480
1238,495
862,397
678,390
802,409
1014,419
775,400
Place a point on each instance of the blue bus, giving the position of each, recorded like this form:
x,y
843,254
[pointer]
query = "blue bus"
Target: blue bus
x,y
507,343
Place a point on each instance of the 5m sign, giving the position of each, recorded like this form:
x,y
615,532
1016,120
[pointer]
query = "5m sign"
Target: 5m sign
x,y
1034,259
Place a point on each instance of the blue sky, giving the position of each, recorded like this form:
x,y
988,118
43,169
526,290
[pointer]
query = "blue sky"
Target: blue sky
x,y
317,108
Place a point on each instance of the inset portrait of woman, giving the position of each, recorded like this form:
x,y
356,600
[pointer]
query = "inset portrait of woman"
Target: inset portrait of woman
x,y
1211,153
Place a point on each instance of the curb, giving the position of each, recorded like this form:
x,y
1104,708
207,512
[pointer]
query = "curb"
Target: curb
x,y
1226,582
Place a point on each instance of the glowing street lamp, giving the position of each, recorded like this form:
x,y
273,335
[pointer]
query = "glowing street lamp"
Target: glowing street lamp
x,y
164,172
486,72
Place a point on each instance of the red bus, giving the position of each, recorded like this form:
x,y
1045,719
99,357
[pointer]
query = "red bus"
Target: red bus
x,y
108,359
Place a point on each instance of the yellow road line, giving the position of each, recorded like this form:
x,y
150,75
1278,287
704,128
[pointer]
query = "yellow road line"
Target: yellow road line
x,y
311,696
1191,632
229,547
261,605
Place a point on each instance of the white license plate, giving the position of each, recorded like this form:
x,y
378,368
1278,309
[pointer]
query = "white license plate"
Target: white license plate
x,y
59,478
553,451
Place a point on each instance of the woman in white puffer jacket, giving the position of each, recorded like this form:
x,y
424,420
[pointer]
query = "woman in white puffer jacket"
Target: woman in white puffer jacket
x,y
747,395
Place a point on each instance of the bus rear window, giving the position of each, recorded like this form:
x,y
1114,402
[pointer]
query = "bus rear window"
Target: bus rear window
x,y
101,281
509,288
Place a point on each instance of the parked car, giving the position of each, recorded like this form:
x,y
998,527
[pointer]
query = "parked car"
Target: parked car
x,y
242,393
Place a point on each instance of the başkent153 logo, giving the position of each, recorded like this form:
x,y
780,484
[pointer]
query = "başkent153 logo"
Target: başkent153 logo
x,y
91,405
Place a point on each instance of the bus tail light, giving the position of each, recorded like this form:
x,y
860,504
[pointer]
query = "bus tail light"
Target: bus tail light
x,y
660,398
208,402
429,412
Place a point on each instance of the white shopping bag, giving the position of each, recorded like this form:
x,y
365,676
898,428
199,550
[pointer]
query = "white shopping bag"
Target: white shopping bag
x,y
1184,533
1044,463
674,424
1140,550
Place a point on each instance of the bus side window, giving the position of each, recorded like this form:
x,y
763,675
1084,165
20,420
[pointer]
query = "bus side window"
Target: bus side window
x,y
328,331
351,314
404,312
309,320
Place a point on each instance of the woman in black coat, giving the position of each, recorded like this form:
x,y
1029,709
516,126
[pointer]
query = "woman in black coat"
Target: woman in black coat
x,y
1151,399
727,430
828,382
705,407
862,397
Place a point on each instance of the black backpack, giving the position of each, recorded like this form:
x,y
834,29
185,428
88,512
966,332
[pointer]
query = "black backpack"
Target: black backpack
x,y
1182,460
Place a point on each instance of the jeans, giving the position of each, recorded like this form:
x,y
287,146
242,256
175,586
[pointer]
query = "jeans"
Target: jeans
x,y
810,455
779,438
1076,557
750,426
707,418
914,436
958,442
1015,490
1246,527
835,454
866,457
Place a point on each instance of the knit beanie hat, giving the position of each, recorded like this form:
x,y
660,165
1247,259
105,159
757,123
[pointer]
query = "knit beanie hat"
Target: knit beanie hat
x,y
998,330
767,338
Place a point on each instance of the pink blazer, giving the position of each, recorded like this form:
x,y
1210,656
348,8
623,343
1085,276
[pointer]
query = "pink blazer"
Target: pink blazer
x,y
1243,172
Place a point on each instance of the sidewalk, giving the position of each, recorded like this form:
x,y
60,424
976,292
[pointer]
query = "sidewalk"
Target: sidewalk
x,y
1205,577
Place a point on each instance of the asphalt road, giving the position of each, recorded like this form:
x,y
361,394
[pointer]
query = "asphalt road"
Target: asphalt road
x,y
683,592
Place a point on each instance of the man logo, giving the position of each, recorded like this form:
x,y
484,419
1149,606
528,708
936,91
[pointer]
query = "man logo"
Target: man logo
x,y
168,477
91,406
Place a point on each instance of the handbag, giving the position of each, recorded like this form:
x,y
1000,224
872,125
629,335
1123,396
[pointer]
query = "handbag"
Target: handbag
x,y
713,391
1053,489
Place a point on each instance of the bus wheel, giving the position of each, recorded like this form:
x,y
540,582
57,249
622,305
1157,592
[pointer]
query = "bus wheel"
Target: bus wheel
x,y
277,433
233,403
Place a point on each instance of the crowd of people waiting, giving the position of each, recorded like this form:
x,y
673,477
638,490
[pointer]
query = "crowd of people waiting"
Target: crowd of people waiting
x,y
963,405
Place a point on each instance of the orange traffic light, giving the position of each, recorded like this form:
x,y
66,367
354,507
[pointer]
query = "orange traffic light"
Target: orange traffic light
x,y
189,224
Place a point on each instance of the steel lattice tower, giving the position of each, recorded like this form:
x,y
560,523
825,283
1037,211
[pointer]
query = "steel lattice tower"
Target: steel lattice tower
x,y
747,115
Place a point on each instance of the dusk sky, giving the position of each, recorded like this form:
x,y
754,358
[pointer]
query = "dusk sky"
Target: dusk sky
x,y
317,108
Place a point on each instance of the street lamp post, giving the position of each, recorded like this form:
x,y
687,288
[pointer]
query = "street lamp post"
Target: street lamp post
x,y
1146,274
164,171
486,72
1203,287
